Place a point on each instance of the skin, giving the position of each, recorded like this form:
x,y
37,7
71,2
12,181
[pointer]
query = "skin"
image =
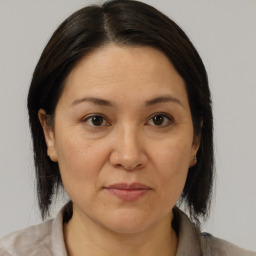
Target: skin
x,y
140,87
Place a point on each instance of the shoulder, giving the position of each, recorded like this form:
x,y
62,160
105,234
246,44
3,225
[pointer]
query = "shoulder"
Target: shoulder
x,y
45,239
218,247
26,241
193,243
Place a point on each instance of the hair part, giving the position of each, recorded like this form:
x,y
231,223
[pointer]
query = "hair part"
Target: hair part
x,y
130,23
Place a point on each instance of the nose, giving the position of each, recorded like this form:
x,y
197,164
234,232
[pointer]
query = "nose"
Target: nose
x,y
128,150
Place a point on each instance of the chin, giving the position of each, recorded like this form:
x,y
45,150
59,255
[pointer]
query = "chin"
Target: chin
x,y
128,222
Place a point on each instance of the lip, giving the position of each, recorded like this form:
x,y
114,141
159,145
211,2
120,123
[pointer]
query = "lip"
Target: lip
x,y
128,192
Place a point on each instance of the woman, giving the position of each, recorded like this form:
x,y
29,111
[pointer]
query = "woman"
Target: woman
x,y
120,114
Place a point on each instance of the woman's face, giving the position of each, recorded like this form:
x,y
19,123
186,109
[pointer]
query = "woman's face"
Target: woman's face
x,y
123,137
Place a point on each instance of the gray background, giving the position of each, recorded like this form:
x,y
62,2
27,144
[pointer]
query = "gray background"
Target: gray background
x,y
225,36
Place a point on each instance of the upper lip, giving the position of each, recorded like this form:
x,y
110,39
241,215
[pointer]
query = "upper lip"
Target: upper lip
x,y
126,186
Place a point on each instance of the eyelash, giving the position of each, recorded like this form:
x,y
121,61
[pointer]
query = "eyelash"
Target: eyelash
x,y
86,120
167,118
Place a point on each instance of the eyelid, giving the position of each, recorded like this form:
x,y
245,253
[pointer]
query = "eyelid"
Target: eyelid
x,y
166,115
87,117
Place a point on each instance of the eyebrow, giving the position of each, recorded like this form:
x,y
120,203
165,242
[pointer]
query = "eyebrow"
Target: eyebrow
x,y
96,101
102,102
163,99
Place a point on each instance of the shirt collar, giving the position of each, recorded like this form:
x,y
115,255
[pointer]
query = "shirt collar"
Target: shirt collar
x,y
188,240
58,244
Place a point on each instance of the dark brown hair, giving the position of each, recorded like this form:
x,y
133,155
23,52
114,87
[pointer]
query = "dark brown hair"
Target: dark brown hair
x,y
130,23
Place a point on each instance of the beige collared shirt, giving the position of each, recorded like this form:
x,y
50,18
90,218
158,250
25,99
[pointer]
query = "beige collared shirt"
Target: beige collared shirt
x,y
47,239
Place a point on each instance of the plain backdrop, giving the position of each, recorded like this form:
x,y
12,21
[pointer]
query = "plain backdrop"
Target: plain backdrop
x,y
224,33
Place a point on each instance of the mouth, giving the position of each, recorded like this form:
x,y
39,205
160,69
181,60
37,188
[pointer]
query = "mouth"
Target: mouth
x,y
128,192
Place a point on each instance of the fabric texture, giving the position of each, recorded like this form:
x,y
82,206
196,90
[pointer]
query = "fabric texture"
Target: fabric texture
x,y
47,239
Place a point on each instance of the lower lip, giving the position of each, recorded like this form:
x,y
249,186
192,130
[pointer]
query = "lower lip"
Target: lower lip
x,y
128,194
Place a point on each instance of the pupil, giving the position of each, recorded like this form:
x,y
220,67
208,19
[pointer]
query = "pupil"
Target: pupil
x,y
97,120
158,120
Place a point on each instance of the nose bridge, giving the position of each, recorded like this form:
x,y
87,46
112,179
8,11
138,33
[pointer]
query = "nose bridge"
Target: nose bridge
x,y
128,144
128,151
129,136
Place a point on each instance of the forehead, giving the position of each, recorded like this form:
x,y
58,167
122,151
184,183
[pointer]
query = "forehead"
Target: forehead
x,y
124,71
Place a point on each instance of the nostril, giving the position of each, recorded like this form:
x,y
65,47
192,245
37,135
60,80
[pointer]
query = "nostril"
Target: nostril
x,y
127,159
129,167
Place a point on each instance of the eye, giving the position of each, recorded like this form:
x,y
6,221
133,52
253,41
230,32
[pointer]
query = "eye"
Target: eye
x,y
160,120
96,120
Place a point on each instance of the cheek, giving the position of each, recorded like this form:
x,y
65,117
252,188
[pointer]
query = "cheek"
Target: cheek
x,y
80,162
172,161
173,154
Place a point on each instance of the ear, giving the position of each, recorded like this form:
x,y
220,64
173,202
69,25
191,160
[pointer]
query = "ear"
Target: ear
x,y
48,134
195,147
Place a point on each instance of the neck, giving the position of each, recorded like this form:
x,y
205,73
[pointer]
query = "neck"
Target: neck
x,y
83,237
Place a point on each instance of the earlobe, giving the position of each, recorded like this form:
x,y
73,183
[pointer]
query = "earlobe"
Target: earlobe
x,y
48,135
193,161
195,147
